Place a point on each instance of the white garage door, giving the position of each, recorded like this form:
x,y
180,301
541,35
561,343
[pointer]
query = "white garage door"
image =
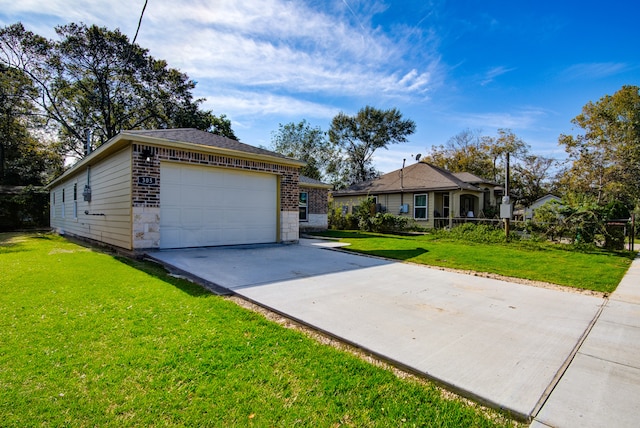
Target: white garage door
x,y
205,206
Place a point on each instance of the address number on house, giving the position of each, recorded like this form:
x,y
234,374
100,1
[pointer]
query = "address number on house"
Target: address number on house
x,y
145,181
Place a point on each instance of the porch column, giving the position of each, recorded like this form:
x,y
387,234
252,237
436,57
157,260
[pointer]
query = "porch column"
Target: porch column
x,y
452,209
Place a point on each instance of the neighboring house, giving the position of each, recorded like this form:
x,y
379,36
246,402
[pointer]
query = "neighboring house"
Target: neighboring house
x,y
178,188
313,204
430,195
530,210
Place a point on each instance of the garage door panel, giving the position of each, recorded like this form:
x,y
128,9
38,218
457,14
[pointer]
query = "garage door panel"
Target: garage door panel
x,y
171,217
204,206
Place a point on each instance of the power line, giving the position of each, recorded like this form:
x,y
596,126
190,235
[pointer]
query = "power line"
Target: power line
x,y
139,22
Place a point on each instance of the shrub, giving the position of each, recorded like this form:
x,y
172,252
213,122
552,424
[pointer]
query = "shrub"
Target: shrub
x,y
388,223
366,219
471,232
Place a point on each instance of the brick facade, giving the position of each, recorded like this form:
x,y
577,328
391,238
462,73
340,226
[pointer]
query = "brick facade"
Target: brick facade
x,y
146,180
148,195
318,200
317,208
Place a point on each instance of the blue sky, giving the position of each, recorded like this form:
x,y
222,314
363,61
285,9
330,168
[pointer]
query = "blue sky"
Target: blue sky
x,y
447,65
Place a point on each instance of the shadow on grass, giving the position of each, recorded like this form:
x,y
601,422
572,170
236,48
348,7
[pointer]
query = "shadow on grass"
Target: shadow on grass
x,y
157,271
354,234
394,254
14,242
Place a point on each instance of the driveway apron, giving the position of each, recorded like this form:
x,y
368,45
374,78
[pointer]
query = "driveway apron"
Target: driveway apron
x,y
500,343
601,387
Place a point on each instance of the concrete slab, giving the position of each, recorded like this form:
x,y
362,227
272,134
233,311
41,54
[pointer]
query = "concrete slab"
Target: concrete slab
x,y
502,344
239,266
594,393
602,385
629,288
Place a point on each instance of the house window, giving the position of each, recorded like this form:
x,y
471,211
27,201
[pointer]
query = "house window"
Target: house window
x,y
62,215
445,205
303,206
420,207
75,200
53,204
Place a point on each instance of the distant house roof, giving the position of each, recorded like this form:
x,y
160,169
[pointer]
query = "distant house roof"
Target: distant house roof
x,y
469,178
528,211
419,177
312,182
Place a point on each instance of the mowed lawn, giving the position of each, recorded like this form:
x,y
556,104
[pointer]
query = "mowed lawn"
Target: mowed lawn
x,y
595,270
88,339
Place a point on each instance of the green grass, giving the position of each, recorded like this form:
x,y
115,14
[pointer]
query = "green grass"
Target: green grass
x,y
89,339
554,263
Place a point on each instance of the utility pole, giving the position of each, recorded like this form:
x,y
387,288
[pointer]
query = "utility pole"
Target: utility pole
x,y
505,207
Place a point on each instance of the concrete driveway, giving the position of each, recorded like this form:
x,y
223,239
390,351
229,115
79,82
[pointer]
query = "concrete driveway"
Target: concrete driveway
x,y
500,343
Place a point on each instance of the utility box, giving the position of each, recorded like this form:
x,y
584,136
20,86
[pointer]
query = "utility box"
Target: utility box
x,y
506,210
404,208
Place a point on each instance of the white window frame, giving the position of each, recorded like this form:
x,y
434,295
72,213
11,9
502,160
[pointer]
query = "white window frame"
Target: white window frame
x,y
304,206
425,206
63,201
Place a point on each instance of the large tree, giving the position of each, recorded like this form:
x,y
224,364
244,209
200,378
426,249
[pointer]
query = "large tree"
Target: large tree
x,y
24,159
484,156
309,144
95,79
361,135
605,159
464,152
532,178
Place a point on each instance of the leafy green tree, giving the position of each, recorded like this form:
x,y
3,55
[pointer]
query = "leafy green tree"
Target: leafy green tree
x,y
24,160
361,135
605,159
95,79
505,142
464,152
309,144
484,156
532,178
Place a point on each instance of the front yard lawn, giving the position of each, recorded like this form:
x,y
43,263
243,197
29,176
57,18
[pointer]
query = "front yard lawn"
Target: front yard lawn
x,y
554,263
88,339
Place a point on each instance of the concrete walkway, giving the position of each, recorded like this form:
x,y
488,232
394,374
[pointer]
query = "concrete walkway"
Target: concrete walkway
x,y
601,387
502,344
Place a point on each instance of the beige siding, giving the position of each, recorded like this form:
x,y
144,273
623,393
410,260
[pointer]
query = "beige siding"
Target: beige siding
x,y
109,212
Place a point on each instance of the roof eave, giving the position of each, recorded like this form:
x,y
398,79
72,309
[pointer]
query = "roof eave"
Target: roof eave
x,y
124,138
136,138
315,185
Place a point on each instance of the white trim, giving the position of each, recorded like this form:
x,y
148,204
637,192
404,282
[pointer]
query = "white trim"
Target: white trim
x,y
305,206
425,206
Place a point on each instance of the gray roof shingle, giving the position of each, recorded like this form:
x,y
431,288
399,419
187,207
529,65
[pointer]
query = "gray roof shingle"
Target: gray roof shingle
x,y
418,177
195,136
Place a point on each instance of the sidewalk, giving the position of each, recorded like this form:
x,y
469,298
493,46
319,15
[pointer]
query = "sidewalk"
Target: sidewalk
x,y
601,387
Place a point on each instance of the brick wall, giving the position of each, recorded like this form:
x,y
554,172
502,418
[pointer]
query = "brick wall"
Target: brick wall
x,y
146,189
148,194
318,200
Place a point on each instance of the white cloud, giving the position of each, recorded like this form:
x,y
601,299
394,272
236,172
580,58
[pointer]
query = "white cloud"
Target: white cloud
x,y
246,103
494,72
287,45
596,70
